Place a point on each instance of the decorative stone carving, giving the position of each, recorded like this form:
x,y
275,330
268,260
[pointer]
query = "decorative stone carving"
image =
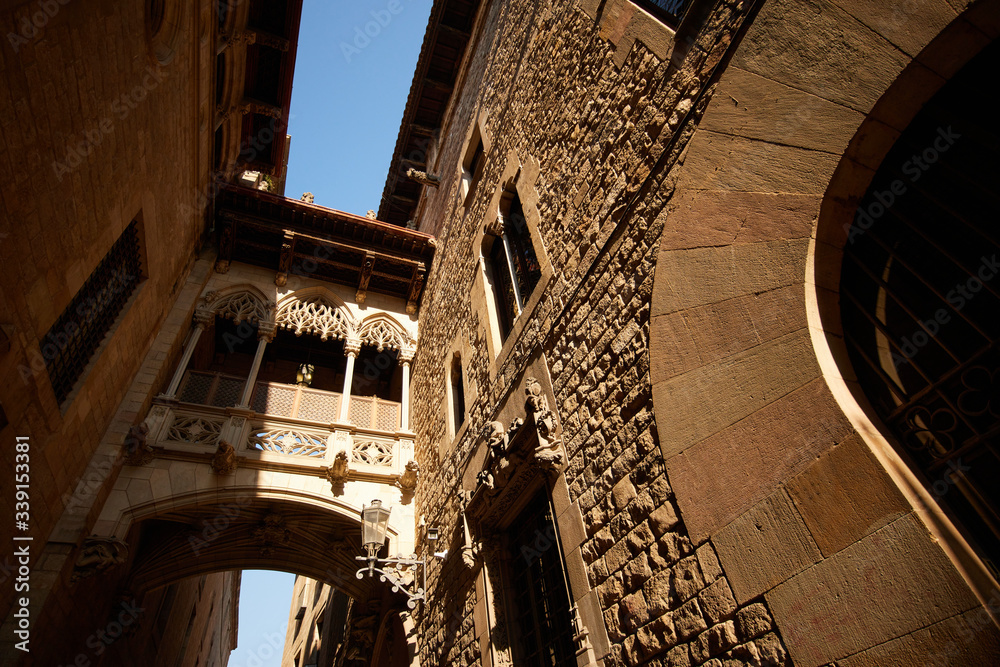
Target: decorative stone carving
x,y
337,473
383,333
494,227
370,214
423,177
97,554
238,306
224,461
408,480
271,533
314,315
135,451
549,452
308,197
517,455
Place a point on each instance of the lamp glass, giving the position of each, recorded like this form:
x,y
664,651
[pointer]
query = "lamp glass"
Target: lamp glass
x,y
374,522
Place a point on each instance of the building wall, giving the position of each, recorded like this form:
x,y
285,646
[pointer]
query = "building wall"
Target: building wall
x,y
97,133
595,147
697,527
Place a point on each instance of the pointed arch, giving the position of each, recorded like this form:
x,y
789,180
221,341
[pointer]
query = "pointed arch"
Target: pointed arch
x,y
384,331
240,303
315,310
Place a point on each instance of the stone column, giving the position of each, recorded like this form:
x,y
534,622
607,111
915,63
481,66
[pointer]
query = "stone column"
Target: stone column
x,y
265,334
405,356
351,347
202,318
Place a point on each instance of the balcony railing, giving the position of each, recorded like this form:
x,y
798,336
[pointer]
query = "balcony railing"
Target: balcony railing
x,y
289,400
283,421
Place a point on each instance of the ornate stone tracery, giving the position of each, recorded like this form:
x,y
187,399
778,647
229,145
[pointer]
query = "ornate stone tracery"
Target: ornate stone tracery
x,y
239,306
314,315
382,332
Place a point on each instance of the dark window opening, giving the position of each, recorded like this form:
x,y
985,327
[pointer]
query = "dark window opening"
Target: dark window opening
x,y
919,292
503,288
457,393
539,603
71,342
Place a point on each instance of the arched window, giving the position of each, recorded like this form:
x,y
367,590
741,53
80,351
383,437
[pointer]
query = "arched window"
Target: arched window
x,y
512,262
920,294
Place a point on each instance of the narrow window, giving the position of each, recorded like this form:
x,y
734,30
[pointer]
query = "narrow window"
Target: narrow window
x,y
472,165
539,604
513,265
457,393
71,342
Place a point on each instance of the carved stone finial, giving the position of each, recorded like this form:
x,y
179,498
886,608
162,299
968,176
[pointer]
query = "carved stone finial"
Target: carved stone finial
x,y
97,554
271,533
224,461
408,481
423,177
308,197
337,473
370,214
135,450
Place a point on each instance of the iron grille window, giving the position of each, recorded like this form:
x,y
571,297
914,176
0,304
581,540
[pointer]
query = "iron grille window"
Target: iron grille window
x,y
671,11
920,293
540,605
71,342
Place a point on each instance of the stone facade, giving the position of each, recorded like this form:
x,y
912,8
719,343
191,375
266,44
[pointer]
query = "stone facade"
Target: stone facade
x,y
671,327
674,383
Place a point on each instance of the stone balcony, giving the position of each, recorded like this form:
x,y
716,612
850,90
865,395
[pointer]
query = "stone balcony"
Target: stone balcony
x,y
285,427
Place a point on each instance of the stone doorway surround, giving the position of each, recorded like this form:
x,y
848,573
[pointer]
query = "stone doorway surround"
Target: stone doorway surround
x,y
771,455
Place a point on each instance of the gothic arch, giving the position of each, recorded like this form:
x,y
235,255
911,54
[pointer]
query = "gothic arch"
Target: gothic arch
x,y
240,303
315,310
384,331
743,314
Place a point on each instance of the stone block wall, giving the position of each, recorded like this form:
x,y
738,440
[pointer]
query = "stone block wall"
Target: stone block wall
x,y
599,143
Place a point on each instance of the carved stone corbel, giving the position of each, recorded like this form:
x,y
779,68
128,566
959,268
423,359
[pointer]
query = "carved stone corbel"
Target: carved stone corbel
x,y
98,554
224,461
337,473
408,480
135,451
423,177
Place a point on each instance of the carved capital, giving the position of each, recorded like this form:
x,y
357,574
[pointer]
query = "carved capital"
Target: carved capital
x,y
204,316
266,331
352,346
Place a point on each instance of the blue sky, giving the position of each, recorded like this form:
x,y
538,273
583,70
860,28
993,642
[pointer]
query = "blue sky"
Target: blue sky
x,y
353,70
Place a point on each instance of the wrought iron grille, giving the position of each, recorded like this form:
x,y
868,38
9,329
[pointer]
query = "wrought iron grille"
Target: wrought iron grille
x,y
920,293
71,342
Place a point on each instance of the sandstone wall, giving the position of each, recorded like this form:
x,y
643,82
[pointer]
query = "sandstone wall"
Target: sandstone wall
x,y
96,132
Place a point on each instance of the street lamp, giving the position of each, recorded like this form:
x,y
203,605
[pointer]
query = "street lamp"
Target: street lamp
x,y
374,522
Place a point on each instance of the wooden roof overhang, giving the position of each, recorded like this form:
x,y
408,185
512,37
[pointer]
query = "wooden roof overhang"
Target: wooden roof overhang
x,y
291,236
448,33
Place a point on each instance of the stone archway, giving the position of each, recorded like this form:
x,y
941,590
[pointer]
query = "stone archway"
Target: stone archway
x,y
765,460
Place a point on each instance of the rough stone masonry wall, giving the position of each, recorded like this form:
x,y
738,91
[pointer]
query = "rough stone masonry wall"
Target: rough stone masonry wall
x,y
605,139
